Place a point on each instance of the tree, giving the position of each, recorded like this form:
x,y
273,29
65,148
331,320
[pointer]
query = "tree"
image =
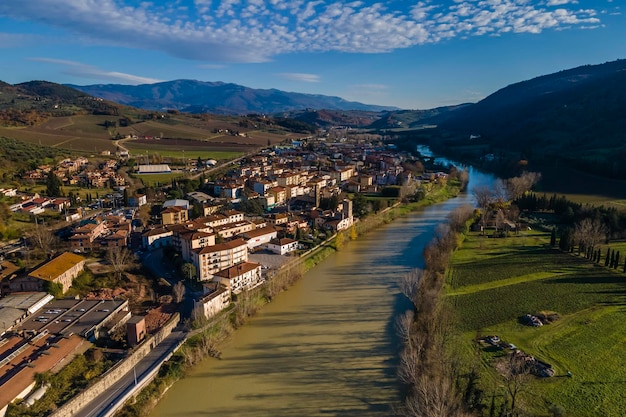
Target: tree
x,y
126,201
484,198
553,237
41,237
53,185
589,232
120,260
339,240
516,374
53,288
178,291
188,270
518,186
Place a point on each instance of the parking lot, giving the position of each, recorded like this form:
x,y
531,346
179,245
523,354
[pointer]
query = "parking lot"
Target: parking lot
x,y
269,259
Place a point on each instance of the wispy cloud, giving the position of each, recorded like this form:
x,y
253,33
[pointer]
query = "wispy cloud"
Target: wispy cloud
x,y
256,30
297,76
88,71
12,40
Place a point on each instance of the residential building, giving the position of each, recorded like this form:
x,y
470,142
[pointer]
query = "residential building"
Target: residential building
x,y
243,276
212,259
215,299
259,237
174,215
282,246
156,238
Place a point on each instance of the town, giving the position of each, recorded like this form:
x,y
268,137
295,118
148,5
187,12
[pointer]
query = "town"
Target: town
x,y
200,242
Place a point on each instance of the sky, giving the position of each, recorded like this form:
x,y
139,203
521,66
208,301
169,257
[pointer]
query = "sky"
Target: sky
x,y
404,53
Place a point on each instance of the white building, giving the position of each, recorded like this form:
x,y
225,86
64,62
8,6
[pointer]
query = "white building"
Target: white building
x,y
259,237
243,276
212,302
282,246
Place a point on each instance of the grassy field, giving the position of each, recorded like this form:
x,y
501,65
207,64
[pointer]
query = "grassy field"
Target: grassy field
x,y
154,179
192,152
493,282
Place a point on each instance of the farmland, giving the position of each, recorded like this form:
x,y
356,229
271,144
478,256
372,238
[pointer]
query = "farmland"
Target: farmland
x,y
90,134
493,282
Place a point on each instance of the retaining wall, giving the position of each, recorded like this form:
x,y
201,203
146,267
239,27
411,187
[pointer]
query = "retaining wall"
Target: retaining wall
x,y
77,403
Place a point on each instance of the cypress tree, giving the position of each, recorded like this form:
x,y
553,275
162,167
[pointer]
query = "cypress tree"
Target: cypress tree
x,y
606,261
612,258
553,237
616,260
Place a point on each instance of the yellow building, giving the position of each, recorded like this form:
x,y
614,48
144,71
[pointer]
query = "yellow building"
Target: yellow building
x,y
62,269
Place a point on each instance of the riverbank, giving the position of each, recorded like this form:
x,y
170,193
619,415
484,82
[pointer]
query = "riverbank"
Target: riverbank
x,y
249,303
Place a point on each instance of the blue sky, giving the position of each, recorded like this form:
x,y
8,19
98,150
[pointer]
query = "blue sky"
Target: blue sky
x,y
410,54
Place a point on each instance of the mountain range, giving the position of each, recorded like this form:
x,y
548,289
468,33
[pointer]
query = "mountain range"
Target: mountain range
x,y
193,96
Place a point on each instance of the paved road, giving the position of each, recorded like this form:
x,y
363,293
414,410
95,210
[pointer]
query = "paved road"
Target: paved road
x,y
103,402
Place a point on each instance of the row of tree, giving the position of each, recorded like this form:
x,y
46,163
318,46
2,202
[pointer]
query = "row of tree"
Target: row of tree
x,y
432,377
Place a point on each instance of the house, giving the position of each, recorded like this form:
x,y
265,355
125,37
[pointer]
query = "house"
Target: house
x,y
138,200
243,276
231,229
215,299
174,215
259,237
61,270
156,238
282,246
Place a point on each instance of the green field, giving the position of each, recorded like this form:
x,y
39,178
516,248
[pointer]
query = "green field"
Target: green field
x,y
150,180
493,282
138,150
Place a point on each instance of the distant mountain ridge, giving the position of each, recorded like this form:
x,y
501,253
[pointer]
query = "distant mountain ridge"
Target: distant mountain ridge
x,y
218,98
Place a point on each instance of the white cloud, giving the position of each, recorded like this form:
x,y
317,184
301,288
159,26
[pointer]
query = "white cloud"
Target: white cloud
x,y
257,30
561,2
297,76
88,71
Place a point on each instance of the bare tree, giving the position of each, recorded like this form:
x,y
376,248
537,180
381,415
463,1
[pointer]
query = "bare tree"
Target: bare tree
x,y
178,291
589,232
518,186
403,325
42,238
484,198
516,374
458,218
410,284
120,260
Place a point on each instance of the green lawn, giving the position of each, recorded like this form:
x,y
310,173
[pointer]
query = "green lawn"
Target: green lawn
x,y
152,179
494,282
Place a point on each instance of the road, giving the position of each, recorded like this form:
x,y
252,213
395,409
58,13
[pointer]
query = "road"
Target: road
x,y
100,405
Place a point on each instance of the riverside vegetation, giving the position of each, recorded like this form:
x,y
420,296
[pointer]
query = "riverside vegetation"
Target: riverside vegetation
x,y
208,336
474,286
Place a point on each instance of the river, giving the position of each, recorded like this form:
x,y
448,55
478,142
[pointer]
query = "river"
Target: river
x,y
327,346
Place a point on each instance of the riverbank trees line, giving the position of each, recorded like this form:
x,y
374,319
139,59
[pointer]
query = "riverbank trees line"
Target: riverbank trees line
x,y
434,383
